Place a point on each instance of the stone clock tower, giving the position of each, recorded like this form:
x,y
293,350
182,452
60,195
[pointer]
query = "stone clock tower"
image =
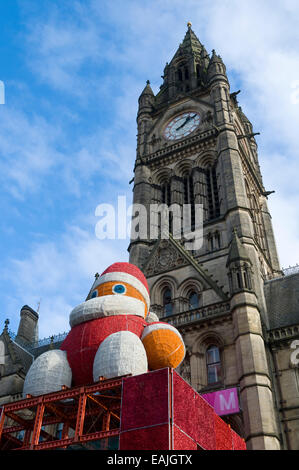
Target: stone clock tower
x,y
196,146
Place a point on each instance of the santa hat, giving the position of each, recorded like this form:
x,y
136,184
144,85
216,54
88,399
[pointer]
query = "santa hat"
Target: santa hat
x,y
126,272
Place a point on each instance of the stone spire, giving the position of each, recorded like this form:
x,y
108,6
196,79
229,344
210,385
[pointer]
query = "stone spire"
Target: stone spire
x,y
187,69
146,100
191,45
145,107
216,68
147,91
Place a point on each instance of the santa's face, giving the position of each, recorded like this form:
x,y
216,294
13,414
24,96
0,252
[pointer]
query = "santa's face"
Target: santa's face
x,y
108,299
117,288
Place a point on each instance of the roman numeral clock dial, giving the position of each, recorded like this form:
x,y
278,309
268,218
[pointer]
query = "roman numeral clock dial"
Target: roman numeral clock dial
x,y
182,125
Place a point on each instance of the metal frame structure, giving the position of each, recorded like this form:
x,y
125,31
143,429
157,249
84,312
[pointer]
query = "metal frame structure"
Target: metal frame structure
x,y
84,414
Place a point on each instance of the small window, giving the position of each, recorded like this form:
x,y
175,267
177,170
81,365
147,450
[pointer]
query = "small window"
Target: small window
x,y
193,300
213,365
167,302
94,294
217,240
245,280
211,242
239,281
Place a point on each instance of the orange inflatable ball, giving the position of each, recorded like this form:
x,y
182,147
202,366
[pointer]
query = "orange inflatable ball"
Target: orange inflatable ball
x,y
164,346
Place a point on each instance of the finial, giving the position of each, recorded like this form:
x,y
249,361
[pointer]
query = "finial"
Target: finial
x,y
148,82
51,346
189,24
96,275
6,323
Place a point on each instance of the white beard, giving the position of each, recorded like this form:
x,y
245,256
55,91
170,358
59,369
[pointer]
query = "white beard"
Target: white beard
x,y
105,306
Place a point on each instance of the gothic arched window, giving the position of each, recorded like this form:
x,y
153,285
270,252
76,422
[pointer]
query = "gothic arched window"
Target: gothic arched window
x,y
212,193
210,242
193,300
259,230
214,241
217,240
213,364
167,302
166,199
166,196
189,196
258,226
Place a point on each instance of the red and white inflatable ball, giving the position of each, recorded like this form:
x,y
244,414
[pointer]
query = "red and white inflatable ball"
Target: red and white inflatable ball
x,y
113,333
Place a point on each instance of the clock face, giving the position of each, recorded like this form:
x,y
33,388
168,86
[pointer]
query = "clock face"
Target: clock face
x,y
182,125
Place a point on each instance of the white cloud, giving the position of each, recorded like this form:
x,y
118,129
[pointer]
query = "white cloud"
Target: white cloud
x,y
59,274
61,46
27,150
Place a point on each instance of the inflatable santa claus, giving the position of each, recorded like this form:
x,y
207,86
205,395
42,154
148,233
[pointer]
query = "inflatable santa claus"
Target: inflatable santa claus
x,y
113,333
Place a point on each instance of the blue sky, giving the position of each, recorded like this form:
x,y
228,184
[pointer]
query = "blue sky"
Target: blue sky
x,y
73,71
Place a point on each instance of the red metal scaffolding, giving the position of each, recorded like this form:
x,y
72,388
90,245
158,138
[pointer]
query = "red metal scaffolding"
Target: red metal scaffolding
x,y
70,418
158,410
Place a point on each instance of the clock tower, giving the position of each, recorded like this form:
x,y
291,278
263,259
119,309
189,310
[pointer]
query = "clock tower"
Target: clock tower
x,y
196,146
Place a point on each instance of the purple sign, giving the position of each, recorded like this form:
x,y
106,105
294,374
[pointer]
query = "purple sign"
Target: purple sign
x,y
224,402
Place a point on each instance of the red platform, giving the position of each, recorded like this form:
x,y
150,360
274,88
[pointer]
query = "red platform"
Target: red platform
x,y
153,411
160,411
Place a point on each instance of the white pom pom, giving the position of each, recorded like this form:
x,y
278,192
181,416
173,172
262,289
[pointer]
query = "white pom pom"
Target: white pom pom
x,y
119,354
48,373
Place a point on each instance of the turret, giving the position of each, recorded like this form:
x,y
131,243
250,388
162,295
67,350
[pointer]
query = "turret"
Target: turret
x,y
216,69
146,100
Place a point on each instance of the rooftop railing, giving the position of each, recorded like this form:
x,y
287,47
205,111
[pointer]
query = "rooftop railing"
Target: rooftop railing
x,y
196,314
37,344
291,270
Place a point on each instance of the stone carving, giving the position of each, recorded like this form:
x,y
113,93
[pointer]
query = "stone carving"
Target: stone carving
x,y
164,258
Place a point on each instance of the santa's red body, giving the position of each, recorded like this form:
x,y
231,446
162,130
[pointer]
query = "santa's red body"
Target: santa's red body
x,y
83,341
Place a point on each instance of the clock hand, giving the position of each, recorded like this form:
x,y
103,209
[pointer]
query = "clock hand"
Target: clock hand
x,y
187,120
184,123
